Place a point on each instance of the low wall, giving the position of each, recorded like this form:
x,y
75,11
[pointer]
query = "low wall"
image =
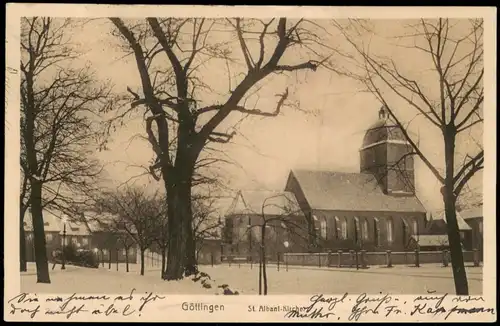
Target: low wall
x,y
349,259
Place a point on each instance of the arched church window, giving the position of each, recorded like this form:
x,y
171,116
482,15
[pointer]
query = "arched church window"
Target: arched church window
x,y
376,232
357,229
343,228
365,229
322,227
415,227
338,232
390,230
405,232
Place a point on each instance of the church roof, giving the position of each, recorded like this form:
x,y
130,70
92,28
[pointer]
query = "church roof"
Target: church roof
x,y
249,202
341,191
382,130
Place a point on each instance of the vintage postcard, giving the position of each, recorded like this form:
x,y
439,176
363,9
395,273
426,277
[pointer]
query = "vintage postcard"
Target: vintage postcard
x,y
245,163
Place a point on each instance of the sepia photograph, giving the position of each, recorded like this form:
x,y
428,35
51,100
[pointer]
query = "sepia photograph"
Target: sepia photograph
x,y
182,155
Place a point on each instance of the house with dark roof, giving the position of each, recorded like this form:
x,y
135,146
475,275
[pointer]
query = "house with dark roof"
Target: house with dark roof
x,y
276,212
375,209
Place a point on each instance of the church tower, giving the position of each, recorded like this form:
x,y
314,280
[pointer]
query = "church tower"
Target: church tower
x,y
386,154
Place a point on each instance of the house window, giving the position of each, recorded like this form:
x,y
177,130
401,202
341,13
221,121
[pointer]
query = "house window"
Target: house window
x,y
481,227
124,252
74,240
376,232
322,226
85,241
365,229
462,235
343,228
390,230
415,227
48,237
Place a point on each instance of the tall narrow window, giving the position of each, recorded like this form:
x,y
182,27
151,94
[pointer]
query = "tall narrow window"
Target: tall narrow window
x,y
365,229
390,230
357,230
481,227
322,226
376,232
344,229
338,233
415,227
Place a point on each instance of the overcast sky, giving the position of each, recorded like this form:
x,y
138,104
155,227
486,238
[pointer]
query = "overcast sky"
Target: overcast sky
x,y
265,149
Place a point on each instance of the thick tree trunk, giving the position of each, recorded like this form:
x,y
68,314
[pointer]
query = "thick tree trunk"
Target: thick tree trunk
x,y
457,259
180,261
176,240
22,246
142,261
42,264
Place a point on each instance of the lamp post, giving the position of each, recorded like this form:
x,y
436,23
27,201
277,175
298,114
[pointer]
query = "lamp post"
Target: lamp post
x,y
286,244
64,244
96,252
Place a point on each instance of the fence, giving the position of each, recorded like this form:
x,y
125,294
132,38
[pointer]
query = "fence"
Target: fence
x,y
364,259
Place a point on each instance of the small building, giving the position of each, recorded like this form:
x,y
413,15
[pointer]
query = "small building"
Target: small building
x,y
429,242
53,238
209,250
474,218
112,241
278,212
77,234
437,226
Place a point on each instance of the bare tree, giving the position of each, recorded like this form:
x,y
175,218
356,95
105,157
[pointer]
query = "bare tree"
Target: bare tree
x,y
59,104
172,55
139,214
454,49
206,223
286,222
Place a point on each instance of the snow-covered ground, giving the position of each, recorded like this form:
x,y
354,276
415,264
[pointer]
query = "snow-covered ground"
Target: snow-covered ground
x,y
307,280
104,280
297,280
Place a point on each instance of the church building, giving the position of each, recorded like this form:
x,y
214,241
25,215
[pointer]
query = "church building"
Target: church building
x,y
375,209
